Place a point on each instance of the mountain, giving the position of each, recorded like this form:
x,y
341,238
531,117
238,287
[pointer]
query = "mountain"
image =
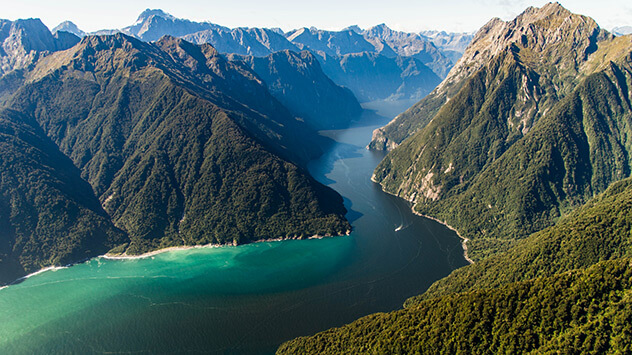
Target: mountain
x,y
373,76
258,42
583,311
25,41
452,45
411,45
151,25
496,38
298,82
622,31
70,27
331,43
534,133
178,145
379,39
402,59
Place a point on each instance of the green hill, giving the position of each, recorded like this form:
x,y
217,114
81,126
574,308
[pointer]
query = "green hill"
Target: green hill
x,y
600,230
48,214
582,311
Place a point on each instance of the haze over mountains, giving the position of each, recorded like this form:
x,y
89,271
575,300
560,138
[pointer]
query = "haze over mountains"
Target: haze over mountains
x,y
408,64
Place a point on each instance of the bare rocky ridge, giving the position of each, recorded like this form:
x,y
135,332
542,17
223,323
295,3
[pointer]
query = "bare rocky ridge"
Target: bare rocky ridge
x,y
553,41
25,41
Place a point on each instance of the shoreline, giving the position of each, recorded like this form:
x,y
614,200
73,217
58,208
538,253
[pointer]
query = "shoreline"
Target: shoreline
x,y
463,239
211,245
163,250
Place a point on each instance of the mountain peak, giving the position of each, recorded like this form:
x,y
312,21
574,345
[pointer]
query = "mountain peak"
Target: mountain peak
x,y
69,26
354,28
153,12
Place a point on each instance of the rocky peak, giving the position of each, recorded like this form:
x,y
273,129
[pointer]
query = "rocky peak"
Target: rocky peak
x,y
70,27
355,28
153,12
23,41
541,37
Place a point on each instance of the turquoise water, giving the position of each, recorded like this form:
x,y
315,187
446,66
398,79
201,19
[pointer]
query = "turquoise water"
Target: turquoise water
x,y
245,299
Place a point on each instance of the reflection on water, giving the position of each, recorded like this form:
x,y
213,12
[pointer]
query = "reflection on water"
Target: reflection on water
x,y
245,299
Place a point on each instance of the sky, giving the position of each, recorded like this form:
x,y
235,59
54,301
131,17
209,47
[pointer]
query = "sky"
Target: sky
x,y
403,15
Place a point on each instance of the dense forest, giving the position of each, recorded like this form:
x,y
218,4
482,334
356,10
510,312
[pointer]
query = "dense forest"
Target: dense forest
x,y
169,144
582,311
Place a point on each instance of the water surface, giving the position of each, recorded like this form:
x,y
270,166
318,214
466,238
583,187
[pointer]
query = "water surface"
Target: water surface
x,y
245,299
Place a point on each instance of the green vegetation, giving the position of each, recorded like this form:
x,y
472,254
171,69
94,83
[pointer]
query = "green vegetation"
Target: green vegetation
x,y
529,137
534,127
179,145
298,82
48,214
582,311
600,230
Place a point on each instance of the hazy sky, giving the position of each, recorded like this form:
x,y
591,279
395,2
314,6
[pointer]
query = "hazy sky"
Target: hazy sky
x,y
406,15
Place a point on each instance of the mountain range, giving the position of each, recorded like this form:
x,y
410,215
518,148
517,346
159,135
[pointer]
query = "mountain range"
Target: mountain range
x,y
542,111
406,65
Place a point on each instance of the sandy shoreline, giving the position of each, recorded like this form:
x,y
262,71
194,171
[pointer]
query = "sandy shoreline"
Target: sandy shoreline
x,y
463,239
188,247
160,251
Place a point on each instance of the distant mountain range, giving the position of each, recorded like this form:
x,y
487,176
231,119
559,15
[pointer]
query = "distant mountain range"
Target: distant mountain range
x,y
622,31
406,65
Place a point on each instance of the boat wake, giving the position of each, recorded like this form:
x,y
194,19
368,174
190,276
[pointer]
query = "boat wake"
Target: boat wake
x,y
402,227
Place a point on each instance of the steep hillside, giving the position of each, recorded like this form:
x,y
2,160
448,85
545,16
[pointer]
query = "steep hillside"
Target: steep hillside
x,y
376,77
523,142
582,311
551,43
600,230
180,146
48,214
410,45
298,82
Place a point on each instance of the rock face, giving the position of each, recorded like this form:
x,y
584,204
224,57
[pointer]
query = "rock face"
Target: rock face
x,y
153,24
24,41
258,42
452,45
298,82
70,27
173,145
528,125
